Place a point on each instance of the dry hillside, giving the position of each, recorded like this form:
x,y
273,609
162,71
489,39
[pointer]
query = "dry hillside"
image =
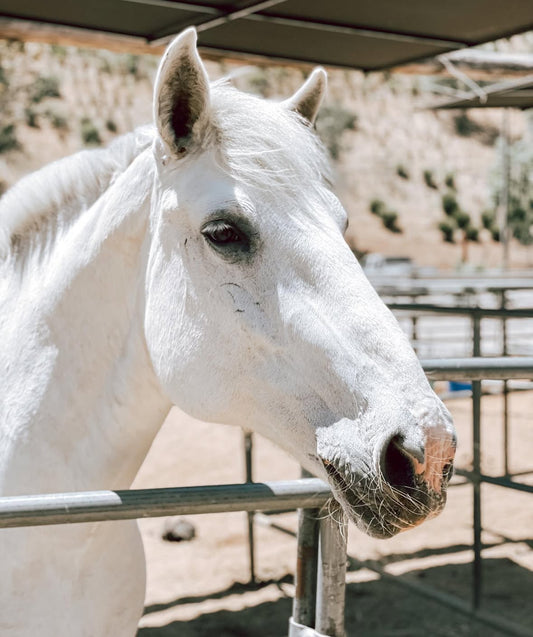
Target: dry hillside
x,y
387,147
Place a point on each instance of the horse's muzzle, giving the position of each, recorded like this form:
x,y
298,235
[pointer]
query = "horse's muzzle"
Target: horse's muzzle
x,y
404,490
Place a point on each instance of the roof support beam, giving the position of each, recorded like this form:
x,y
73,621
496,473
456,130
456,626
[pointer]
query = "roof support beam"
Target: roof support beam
x,y
222,18
252,13
359,31
177,6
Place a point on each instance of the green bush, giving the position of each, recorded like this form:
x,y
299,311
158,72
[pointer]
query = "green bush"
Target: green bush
x,y
462,219
464,126
402,172
377,207
449,204
44,87
31,118
89,133
471,234
447,231
429,179
8,138
488,219
111,126
390,220
449,181
58,121
517,214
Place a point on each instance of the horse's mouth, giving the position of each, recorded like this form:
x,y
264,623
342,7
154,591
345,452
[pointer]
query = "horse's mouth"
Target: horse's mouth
x,y
381,511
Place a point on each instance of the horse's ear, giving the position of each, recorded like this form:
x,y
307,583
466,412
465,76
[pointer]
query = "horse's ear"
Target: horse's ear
x,y
307,100
181,95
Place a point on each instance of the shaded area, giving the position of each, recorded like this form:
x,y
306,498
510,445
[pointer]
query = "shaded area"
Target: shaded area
x,y
378,608
369,34
235,588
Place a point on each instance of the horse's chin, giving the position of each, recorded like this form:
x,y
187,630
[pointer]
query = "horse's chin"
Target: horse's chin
x,y
381,512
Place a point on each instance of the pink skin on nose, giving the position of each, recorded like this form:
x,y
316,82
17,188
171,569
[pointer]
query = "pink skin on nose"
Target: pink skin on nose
x,y
439,453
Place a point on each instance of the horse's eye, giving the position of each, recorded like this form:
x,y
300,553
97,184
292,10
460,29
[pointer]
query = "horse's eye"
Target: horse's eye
x,y
222,233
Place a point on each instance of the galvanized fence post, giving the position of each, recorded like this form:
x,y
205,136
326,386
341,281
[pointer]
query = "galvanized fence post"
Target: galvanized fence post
x,y
476,468
305,577
248,451
331,580
504,352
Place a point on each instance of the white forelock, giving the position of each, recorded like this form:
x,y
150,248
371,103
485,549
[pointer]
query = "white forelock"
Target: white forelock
x,y
268,145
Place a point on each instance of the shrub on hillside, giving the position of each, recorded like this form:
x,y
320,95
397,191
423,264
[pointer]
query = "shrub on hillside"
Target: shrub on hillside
x,y
462,219
488,219
429,180
449,181
464,126
449,204
31,118
467,127
44,87
402,171
89,133
390,221
472,234
377,207
57,120
447,231
8,138
332,122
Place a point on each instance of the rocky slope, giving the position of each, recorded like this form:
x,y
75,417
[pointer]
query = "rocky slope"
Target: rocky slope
x,y
388,147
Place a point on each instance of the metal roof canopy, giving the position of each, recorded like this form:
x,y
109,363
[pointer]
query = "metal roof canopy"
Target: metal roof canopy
x,y
514,94
365,34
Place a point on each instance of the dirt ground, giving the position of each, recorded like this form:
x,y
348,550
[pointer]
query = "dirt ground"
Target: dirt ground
x,y
200,588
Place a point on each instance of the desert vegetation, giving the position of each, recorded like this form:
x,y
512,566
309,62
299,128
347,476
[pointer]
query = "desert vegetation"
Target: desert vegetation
x,y
438,175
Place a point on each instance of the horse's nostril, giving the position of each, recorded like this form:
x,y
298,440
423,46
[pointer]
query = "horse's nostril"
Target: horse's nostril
x,y
397,464
447,472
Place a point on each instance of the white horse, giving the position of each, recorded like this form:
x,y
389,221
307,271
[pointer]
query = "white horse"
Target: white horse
x,y
199,263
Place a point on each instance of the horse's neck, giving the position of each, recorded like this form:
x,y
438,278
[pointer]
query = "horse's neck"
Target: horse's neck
x,y
81,403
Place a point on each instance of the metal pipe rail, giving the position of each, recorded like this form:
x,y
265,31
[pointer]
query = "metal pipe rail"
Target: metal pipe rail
x,y
479,368
327,605
96,506
430,308
93,506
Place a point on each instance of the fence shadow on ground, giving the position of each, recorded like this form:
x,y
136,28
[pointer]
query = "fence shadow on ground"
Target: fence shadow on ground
x,y
378,608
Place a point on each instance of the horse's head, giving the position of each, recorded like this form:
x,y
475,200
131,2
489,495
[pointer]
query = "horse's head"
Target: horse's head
x,y
257,312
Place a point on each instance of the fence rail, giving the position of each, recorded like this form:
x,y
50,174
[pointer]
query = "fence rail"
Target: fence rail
x,y
326,604
479,368
92,506
96,506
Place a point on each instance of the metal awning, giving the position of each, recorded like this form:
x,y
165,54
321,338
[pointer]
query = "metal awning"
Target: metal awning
x,y
513,94
365,34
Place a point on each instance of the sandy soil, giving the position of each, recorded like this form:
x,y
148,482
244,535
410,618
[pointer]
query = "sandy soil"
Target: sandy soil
x,y
200,588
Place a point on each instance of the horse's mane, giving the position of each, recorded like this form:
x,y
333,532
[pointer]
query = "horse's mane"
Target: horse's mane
x,y
260,144
67,185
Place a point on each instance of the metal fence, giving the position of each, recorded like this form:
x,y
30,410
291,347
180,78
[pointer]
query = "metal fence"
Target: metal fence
x,y
318,608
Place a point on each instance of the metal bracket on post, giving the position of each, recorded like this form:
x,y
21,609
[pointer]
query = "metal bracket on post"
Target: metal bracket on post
x,y
299,630
318,607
